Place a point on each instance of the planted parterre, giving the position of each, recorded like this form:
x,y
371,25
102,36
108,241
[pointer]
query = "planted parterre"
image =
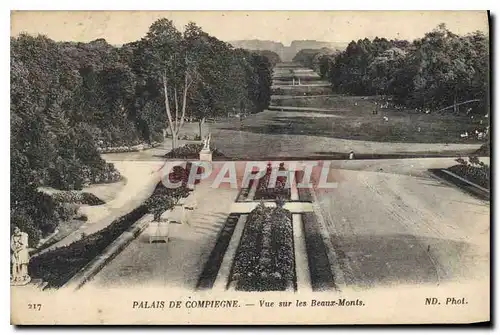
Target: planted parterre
x,y
265,257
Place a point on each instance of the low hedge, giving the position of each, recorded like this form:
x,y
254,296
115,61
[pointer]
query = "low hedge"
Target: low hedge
x,y
58,266
191,151
81,198
265,259
127,148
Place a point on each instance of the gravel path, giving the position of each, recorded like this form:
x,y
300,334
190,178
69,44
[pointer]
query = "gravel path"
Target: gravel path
x,y
395,228
179,262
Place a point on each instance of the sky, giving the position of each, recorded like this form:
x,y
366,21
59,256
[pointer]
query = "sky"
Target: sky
x,y
119,27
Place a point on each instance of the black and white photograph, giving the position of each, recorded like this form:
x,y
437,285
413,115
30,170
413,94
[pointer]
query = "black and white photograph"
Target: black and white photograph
x,y
196,167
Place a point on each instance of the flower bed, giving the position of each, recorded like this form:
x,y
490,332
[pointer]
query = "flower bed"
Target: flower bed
x,y
265,259
191,151
280,190
475,171
477,175
105,174
244,193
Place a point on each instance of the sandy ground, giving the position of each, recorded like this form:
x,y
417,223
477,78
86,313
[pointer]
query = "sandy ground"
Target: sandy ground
x,y
106,192
390,221
405,228
417,167
180,262
140,182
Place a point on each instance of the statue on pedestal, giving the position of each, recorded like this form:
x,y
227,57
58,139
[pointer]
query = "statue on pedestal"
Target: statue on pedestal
x,y
206,143
206,153
20,258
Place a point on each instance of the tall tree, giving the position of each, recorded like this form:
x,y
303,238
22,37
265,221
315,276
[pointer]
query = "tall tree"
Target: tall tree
x,y
168,61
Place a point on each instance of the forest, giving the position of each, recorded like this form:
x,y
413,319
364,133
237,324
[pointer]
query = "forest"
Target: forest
x,y
70,98
440,70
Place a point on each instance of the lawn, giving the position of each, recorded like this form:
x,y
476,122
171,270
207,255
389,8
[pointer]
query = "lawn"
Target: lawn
x,y
351,117
339,124
302,90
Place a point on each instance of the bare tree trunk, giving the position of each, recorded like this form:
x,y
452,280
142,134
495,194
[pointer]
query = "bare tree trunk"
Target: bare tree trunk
x,y
174,141
176,109
184,98
200,126
175,125
173,128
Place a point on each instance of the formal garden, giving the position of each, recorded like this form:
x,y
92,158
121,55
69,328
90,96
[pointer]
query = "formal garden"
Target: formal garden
x,y
58,266
264,255
142,100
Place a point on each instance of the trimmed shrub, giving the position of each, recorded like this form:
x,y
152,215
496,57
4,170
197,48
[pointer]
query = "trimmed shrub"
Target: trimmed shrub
x,y
81,198
191,151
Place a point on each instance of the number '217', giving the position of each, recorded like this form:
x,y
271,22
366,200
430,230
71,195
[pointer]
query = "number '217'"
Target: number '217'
x,y
35,307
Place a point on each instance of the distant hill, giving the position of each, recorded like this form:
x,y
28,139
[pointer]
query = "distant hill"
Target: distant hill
x,y
258,45
287,53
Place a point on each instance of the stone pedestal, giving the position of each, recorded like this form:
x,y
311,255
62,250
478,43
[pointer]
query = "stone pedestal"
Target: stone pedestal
x,y
159,231
21,282
206,155
35,284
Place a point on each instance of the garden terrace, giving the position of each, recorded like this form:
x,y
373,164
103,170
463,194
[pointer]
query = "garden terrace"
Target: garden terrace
x,y
58,266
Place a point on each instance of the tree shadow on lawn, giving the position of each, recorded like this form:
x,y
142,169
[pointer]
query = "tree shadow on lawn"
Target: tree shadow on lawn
x,y
361,128
403,259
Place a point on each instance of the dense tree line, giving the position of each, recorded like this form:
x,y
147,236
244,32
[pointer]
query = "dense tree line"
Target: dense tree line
x,y
440,70
272,56
314,58
68,98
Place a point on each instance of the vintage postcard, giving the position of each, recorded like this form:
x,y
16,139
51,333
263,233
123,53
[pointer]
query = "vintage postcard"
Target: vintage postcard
x,y
211,167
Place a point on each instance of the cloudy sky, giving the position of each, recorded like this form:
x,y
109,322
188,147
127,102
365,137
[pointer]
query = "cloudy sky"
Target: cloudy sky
x,y
119,27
